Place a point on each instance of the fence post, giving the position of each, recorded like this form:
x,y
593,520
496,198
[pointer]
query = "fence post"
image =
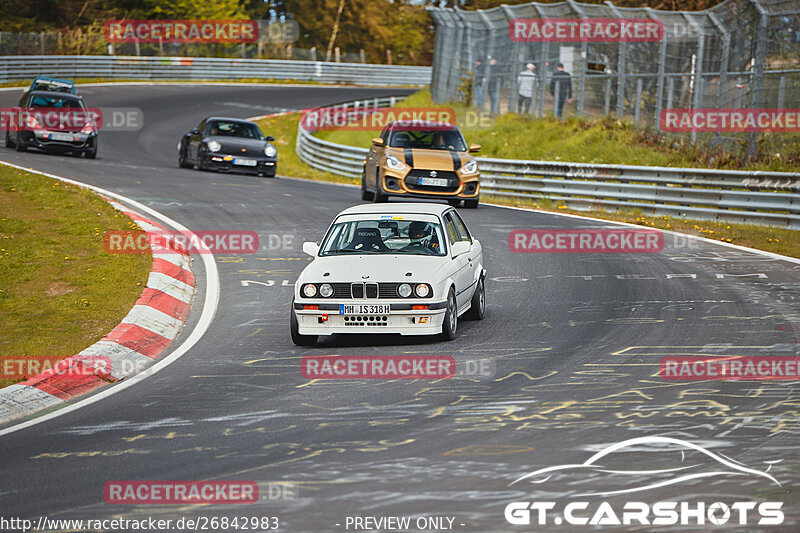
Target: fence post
x,y
638,102
670,91
621,66
697,73
607,104
757,87
313,53
782,92
662,61
582,62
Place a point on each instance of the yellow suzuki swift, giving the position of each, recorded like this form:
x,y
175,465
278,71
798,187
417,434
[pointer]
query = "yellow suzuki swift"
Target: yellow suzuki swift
x,y
420,159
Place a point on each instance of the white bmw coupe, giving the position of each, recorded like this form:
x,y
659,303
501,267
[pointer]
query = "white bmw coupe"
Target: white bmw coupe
x,y
403,268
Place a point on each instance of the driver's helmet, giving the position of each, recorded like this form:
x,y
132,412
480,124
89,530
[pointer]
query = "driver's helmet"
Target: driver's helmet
x,y
417,231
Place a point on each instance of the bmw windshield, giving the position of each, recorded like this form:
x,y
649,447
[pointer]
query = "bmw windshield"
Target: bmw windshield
x,y
385,236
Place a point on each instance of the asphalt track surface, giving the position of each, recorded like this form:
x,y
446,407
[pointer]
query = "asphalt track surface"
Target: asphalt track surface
x,y
572,343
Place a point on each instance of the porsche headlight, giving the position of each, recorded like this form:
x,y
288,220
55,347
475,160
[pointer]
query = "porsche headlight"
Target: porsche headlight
x,y
470,168
270,151
422,290
214,146
404,290
309,290
326,290
394,163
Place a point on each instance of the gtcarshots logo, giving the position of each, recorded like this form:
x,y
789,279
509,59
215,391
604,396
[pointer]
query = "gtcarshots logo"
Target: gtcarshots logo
x,y
627,467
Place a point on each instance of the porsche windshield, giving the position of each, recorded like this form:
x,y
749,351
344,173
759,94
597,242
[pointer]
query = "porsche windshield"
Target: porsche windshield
x,y
417,237
431,140
233,129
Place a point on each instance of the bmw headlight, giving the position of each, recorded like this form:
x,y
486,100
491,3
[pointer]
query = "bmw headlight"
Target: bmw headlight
x,y
404,290
394,163
470,168
214,146
422,290
326,290
309,290
270,151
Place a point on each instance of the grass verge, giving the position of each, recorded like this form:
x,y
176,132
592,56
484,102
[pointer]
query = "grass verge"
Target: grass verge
x,y
603,140
771,239
60,291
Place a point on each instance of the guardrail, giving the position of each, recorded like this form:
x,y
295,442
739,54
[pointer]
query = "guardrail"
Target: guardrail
x,y
771,198
210,68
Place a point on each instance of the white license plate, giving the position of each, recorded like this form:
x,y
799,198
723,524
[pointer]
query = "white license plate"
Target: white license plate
x,y
433,182
364,309
60,137
245,162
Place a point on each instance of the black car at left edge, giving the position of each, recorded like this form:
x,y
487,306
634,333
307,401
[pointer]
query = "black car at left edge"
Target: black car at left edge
x,y
228,145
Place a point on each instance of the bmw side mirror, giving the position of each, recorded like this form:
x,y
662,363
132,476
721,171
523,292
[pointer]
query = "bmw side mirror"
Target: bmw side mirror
x,y
460,248
270,138
311,248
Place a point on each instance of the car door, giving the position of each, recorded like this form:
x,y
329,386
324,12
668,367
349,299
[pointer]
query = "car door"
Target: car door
x,y
195,139
462,263
475,256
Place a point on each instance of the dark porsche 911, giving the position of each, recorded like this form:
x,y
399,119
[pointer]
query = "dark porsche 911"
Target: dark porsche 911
x,y
228,145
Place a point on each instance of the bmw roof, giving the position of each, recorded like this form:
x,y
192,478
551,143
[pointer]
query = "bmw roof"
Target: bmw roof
x,y
397,208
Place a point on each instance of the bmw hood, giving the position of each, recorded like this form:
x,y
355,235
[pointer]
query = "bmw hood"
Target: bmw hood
x,y
380,268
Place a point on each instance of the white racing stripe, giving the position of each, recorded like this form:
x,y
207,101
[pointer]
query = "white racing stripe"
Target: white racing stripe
x,y
210,304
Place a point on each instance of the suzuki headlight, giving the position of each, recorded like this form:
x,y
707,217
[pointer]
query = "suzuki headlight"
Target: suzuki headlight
x,y
470,168
270,151
214,146
394,163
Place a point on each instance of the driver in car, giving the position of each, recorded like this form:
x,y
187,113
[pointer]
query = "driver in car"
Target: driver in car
x,y
420,237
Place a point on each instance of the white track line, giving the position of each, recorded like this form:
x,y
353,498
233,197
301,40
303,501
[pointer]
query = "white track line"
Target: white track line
x,y
210,303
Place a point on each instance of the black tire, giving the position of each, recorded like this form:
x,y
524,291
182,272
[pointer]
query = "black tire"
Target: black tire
x,y
270,173
450,325
379,197
90,154
201,161
300,340
471,204
20,146
366,195
182,159
454,203
478,308
9,143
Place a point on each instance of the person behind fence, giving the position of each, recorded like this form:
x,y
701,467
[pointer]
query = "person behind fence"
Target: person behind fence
x,y
478,82
527,84
495,79
564,81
